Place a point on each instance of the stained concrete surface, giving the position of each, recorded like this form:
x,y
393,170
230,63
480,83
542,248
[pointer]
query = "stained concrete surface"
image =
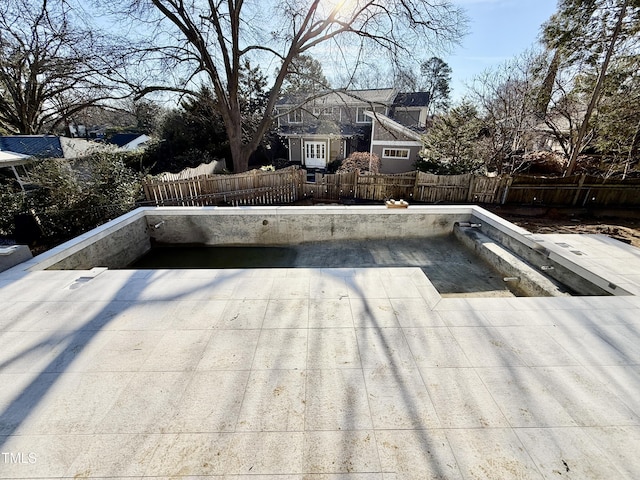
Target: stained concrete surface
x,y
349,373
453,269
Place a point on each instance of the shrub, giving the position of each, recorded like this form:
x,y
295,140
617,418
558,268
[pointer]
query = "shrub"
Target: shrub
x,y
71,197
279,163
363,161
11,203
334,165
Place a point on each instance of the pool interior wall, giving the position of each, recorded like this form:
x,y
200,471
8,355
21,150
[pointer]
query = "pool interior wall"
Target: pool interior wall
x,y
119,243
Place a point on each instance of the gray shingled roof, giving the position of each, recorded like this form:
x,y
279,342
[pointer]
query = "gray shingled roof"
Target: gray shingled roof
x,y
412,99
344,97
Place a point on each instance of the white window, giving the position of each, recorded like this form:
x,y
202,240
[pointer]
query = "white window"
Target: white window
x,y
323,112
395,153
361,117
295,116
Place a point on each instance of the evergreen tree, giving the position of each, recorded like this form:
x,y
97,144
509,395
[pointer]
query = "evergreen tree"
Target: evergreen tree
x,y
192,134
617,120
195,132
452,145
436,79
587,35
305,77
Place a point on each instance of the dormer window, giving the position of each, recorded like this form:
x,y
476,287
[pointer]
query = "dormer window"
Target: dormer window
x,y
323,112
361,117
295,116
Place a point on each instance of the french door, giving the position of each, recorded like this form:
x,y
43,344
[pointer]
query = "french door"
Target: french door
x,y
315,154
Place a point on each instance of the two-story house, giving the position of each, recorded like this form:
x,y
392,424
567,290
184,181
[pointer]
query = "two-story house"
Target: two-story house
x,y
322,128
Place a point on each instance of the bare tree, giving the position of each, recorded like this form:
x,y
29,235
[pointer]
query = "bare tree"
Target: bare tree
x,y
564,110
506,96
208,42
51,67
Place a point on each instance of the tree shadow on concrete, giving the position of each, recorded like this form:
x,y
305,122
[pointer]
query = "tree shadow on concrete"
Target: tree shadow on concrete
x,y
71,345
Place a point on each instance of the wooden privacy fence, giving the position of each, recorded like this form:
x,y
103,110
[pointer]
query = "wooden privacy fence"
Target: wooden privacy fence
x,y
251,188
574,191
415,186
467,188
290,185
331,187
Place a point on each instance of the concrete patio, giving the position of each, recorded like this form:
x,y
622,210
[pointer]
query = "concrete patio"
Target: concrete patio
x,y
315,374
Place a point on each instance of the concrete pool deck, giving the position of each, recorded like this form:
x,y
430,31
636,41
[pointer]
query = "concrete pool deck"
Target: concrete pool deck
x,y
317,374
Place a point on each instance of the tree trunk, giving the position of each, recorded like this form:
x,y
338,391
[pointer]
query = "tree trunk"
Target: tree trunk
x,y
582,132
546,91
240,159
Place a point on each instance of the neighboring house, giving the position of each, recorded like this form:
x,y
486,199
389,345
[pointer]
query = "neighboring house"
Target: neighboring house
x,y
79,147
396,145
330,126
129,141
49,146
411,110
18,151
95,132
545,137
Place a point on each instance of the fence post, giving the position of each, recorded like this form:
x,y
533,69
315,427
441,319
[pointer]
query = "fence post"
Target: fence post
x,y
415,195
470,189
583,177
506,190
299,178
146,190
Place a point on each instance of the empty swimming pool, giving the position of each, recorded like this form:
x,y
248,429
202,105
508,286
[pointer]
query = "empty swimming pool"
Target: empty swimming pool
x,y
462,249
453,268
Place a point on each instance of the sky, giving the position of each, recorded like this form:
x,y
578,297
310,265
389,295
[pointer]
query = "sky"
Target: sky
x,y
499,30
